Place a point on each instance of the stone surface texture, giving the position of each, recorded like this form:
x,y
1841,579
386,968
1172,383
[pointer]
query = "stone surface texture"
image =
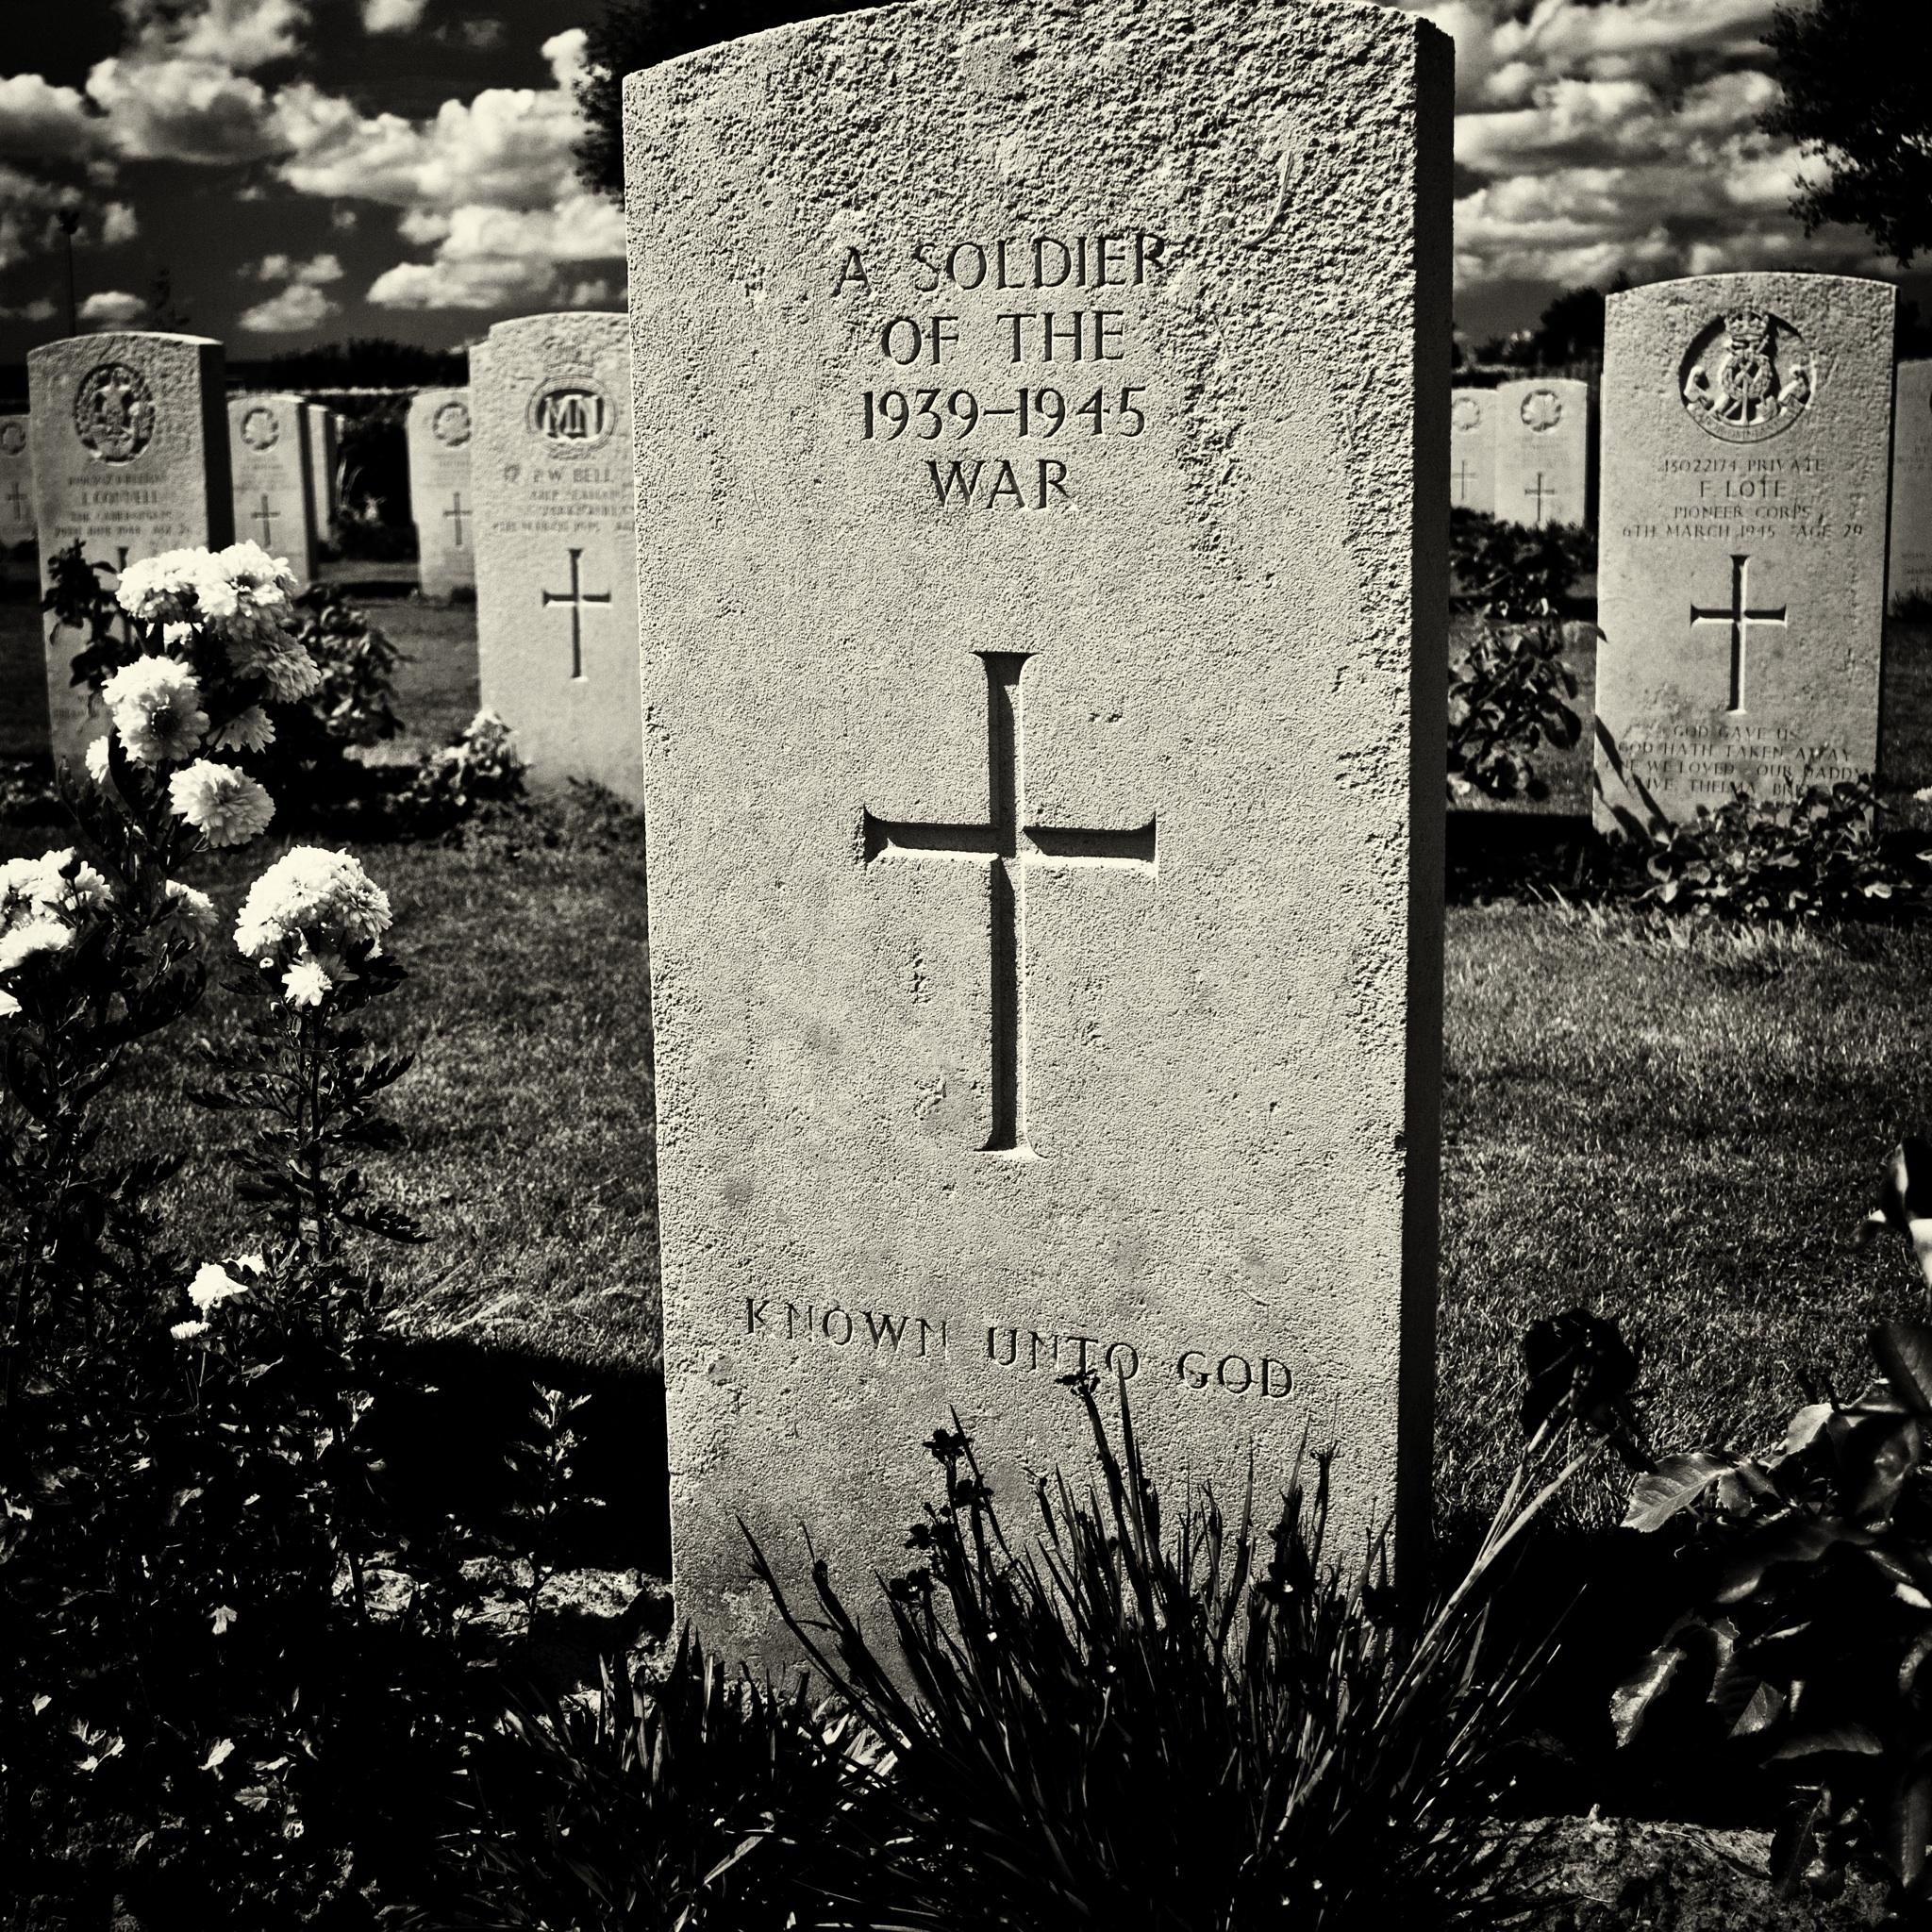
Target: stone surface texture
x,y
16,482
1473,449
1910,573
130,455
557,600
1542,451
325,430
442,500
1741,560
1045,876
273,482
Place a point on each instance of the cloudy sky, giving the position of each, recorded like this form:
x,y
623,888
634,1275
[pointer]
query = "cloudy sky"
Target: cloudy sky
x,y
307,169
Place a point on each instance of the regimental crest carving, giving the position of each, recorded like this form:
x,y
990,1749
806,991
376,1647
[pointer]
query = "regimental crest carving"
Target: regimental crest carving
x,y
1749,376
451,424
1466,413
579,415
262,429
1543,409
114,412
12,436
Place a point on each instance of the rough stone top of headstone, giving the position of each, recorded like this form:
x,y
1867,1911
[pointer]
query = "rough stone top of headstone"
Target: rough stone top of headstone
x,y
118,389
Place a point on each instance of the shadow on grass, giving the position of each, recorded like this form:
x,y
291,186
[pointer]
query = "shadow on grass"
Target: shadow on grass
x,y
447,1448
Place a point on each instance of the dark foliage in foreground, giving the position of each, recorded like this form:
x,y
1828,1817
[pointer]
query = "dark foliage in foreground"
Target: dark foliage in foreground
x,y
1811,1628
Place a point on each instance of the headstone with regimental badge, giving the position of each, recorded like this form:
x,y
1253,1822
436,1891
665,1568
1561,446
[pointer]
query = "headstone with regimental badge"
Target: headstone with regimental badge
x,y
129,435
1910,574
1043,610
16,483
442,497
1542,451
324,430
1473,450
275,505
1740,561
557,605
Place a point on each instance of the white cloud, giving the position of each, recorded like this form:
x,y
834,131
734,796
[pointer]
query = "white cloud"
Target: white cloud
x,y
239,34
392,16
344,220
300,306
41,121
595,292
40,309
112,308
1619,136
315,273
119,223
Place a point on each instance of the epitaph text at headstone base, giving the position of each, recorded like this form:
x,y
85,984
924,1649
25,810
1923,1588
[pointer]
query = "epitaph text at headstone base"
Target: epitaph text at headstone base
x,y
322,434
275,505
16,483
442,496
1910,573
1740,561
557,626
129,435
1473,450
1542,451
1041,419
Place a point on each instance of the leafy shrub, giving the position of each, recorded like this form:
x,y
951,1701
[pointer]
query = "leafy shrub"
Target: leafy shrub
x,y
1510,691
355,702
707,1801
1812,1624
1143,1720
1815,855
480,768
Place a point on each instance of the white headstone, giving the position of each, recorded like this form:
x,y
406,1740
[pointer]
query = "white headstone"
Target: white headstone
x,y
557,601
440,494
16,483
1542,451
1041,578
268,450
1473,450
130,455
1910,573
323,431
1741,556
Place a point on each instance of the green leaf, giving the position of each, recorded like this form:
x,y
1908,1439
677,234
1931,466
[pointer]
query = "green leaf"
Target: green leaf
x,y
1631,1701
1853,1739
1905,1353
1672,1487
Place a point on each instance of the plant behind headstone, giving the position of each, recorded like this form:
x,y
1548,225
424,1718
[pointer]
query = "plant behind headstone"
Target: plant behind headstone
x,y
1510,691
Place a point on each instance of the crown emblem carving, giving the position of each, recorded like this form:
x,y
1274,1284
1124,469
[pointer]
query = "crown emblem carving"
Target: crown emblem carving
x,y
1749,376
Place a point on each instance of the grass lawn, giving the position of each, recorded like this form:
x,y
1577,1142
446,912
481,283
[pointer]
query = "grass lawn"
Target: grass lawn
x,y
1681,1136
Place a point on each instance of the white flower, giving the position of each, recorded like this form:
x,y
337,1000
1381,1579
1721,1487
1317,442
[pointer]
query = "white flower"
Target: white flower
x,y
186,914
9,1006
156,705
255,1263
251,730
186,1331
289,673
304,984
33,936
224,806
98,760
310,902
251,568
212,1283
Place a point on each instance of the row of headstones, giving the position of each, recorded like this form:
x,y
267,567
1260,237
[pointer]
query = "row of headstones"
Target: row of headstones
x,y
521,489
1522,451
1046,657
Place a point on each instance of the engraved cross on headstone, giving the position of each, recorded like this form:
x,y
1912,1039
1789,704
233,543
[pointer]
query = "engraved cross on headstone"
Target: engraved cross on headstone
x,y
1537,490
1462,475
1740,618
265,517
456,510
1010,847
577,598
17,497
